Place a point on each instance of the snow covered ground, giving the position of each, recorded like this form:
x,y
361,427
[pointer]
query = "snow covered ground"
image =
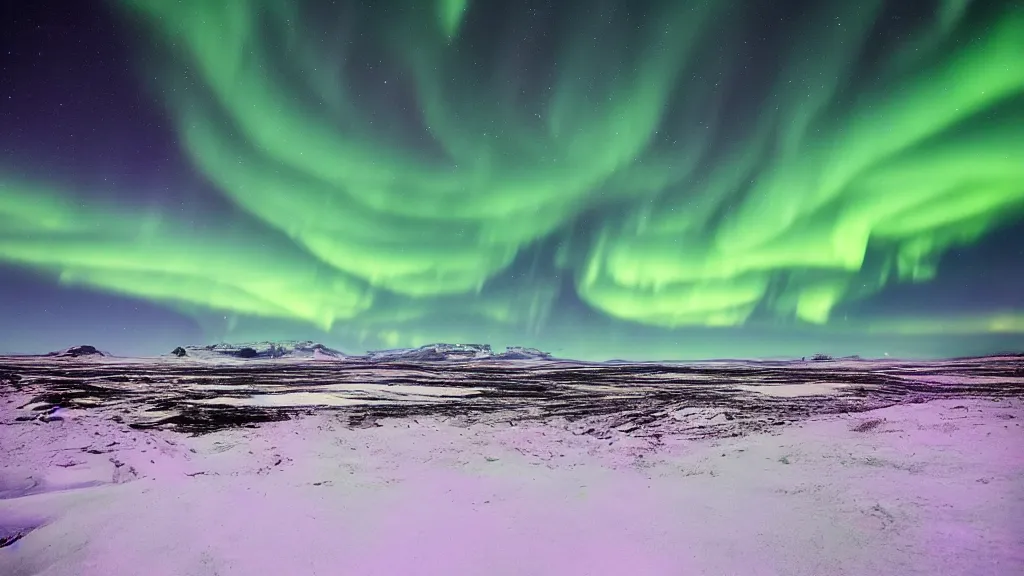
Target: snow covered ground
x,y
934,488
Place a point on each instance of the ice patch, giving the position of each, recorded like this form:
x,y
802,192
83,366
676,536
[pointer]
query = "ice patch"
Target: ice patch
x,y
796,390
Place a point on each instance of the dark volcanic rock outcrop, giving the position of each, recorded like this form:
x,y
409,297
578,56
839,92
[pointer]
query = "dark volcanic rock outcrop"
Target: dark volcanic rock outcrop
x,y
179,352
78,351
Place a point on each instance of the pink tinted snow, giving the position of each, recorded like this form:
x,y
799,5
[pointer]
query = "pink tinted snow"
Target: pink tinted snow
x,y
934,488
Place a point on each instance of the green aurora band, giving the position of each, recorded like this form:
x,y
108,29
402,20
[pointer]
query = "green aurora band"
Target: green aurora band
x,y
670,185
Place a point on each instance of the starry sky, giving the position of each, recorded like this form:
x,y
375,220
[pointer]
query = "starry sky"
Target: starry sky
x,y
633,179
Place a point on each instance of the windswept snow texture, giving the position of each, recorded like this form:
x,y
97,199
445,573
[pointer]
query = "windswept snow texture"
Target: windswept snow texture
x,y
382,465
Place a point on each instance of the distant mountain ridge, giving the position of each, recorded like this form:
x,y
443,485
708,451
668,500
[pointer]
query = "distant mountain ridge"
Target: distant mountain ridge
x,y
267,350
441,352
437,352
291,349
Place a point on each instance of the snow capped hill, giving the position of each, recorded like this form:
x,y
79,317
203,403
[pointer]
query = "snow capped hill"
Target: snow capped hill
x,y
78,352
521,353
433,353
455,353
305,349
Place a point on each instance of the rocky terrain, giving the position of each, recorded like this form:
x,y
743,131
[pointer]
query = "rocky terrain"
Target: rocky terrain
x,y
210,464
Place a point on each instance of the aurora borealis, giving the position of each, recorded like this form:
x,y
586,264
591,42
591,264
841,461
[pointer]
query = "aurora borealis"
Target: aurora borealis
x,y
606,178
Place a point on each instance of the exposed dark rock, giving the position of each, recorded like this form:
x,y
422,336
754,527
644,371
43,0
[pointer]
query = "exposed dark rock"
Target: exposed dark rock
x,y
179,352
78,351
246,353
12,535
596,396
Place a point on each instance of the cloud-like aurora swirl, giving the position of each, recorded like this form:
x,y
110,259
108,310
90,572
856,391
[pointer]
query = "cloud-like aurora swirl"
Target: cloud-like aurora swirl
x,y
409,155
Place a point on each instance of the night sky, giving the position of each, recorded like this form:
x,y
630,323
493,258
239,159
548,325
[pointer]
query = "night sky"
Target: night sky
x,y
659,179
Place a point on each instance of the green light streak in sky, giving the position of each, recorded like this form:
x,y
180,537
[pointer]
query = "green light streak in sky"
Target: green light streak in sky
x,y
157,259
450,13
1011,322
627,150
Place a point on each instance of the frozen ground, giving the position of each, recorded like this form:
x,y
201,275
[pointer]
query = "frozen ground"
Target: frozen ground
x,y
730,469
